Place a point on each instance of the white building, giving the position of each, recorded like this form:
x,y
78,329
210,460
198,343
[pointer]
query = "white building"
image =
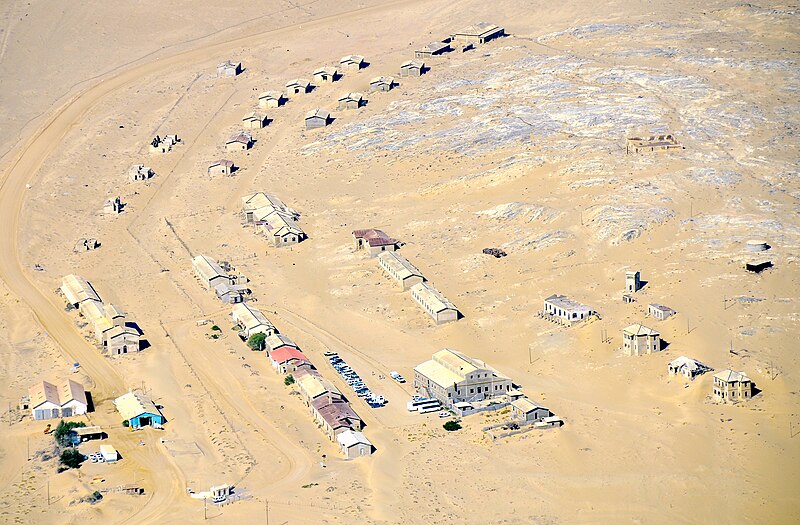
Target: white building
x,y
270,99
354,444
251,321
638,339
563,309
660,312
452,377
209,272
48,401
687,367
229,69
434,303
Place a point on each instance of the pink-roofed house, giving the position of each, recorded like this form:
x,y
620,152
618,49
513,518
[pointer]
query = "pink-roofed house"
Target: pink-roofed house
x,y
374,241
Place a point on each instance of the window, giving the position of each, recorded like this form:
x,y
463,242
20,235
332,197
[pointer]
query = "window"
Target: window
x,y
471,390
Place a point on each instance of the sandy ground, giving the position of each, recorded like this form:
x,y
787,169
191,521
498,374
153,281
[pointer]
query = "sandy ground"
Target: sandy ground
x,y
519,145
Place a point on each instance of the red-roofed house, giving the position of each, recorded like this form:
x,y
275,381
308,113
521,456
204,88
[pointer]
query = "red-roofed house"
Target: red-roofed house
x,y
335,416
288,359
374,241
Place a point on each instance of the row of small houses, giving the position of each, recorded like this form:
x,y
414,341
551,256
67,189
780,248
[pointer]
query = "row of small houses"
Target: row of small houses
x,y
378,244
271,217
108,321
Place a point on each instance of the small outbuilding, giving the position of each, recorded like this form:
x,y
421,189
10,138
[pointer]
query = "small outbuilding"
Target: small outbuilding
x,y
687,367
251,321
633,282
242,141
109,453
287,359
326,74
638,339
431,50
660,312
77,290
270,99
317,118
254,121
229,69
526,410
297,86
758,265
354,444
381,83
352,62
209,272
374,241
351,101
139,410
139,172
221,167
412,68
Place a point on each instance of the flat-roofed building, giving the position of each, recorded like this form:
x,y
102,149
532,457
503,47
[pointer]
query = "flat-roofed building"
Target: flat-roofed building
x,y
563,309
229,68
109,453
50,401
731,386
374,241
335,416
354,444
122,340
77,289
254,120
412,68
326,74
687,367
297,86
287,359
434,303
660,312
432,49
270,99
638,339
209,272
221,167
381,83
139,172
400,269
526,410
351,101
352,62
317,118
241,141
452,377
139,410
479,33
251,321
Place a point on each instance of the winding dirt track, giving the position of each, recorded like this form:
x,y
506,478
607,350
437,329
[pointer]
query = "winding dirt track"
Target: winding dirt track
x,y
45,305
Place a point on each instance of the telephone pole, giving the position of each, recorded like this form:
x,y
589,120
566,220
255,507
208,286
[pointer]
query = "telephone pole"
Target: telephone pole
x,y
266,509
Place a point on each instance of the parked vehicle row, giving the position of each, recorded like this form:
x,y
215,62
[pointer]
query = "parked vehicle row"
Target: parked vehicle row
x,y
355,382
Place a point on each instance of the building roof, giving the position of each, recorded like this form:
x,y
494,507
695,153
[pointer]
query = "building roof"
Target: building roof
x,y
381,80
330,70
94,312
433,297
229,63
221,162
662,308
252,116
107,449
479,29
112,310
730,376
284,354
69,390
121,331
640,329
300,82
434,47
134,404
412,64
318,113
316,385
254,201
352,59
399,265
270,95
351,97
242,137
43,392
336,412
280,224
208,268
351,438
564,302
374,237
86,431
276,341
525,405
250,317
77,289
689,363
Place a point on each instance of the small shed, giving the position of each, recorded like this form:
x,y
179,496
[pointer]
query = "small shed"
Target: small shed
x,y
351,101
139,172
431,50
354,444
381,83
88,433
660,312
254,121
270,99
297,86
239,142
352,62
412,68
326,74
109,453
526,410
229,69
317,118
221,167
638,339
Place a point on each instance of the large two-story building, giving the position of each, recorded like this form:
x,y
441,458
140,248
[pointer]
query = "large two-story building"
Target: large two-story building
x,y
452,377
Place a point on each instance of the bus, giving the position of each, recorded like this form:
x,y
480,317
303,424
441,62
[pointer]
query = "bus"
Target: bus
x,y
417,404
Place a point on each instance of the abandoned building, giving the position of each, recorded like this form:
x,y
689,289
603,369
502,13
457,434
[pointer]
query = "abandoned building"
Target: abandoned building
x,y
139,172
434,303
659,311
270,99
139,411
732,387
256,206
479,33
374,241
431,50
638,339
113,206
272,218
298,86
561,309
412,68
633,282
241,141
400,270
229,69
650,144
231,293
353,444
687,367
351,101
526,410
85,245
163,144
77,290
758,265
317,118
221,167
352,62
209,272
452,377
251,321
381,84
326,74
254,121
122,340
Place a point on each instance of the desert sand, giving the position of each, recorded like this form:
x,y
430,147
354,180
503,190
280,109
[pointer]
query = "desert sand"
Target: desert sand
x,y
518,144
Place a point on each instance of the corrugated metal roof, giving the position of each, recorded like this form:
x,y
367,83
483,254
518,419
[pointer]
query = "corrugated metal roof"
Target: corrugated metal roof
x,y
432,297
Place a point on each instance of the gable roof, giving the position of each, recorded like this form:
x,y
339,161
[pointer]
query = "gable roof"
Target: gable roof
x,y
433,297
284,354
399,265
639,330
336,412
352,59
134,404
354,97
479,29
318,113
730,376
77,289
241,137
299,82
374,237
525,405
412,64
43,392
276,341
208,268
351,438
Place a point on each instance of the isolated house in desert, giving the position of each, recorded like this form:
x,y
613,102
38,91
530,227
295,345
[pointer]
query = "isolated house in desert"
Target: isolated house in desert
x,y
352,62
326,74
633,282
317,118
351,101
687,367
114,314
732,387
374,241
381,83
412,68
50,401
526,410
434,303
479,33
122,340
239,142
270,99
139,172
563,309
431,50
638,339
254,121
354,444
221,167
297,86
335,416
400,270
209,272
660,312
229,69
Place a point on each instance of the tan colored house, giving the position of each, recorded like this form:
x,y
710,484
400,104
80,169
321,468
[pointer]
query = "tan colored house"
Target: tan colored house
x,y
687,367
209,272
374,241
326,74
354,444
412,68
431,50
732,387
381,83
221,167
229,69
660,312
335,416
452,377
239,142
256,206
77,290
434,303
479,33
49,401
564,310
251,321
297,86
526,410
638,339
317,118
122,340
313,386
351,101
270,99
400,269
254,121
352,62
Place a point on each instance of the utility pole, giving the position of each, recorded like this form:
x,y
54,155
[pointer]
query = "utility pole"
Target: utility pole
x,y
28,441
266,508
48,491
205,508
530,357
